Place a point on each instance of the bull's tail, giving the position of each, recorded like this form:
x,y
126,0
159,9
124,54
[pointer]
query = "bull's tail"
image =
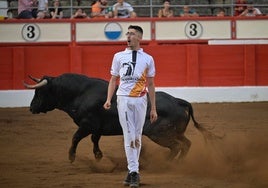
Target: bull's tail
x,y
191,114
206,132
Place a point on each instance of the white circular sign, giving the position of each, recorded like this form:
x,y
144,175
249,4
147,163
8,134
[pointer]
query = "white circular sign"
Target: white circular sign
x,y
193,30
30,32
113,30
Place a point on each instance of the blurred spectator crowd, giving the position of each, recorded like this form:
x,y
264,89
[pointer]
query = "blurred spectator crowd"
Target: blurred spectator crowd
x,y
88,9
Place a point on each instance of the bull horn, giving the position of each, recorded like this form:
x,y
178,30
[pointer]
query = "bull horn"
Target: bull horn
x,y
34,79
38,85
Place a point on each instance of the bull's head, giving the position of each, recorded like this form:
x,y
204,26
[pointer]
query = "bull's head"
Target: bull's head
x,y
43,99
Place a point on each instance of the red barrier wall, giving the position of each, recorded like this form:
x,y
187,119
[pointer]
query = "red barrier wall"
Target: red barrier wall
x,y
185,62
177,65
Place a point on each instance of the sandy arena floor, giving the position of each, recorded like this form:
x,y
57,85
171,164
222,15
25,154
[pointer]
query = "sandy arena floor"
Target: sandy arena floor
x,y
34,152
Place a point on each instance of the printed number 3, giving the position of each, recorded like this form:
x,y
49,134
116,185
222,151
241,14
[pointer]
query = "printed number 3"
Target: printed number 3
x,y
193,30
30,32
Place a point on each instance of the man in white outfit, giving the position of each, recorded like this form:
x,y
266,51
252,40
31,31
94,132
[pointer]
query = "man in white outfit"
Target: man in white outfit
x,y
136,71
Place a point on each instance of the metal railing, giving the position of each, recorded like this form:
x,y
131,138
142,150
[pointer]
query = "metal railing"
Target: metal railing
x,y
150,8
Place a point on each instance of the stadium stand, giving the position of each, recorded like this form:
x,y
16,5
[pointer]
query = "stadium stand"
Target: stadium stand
x,y
149,8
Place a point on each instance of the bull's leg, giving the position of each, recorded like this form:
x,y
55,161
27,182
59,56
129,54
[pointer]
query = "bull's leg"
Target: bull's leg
x,y
174,150
77,137
185,145
96,150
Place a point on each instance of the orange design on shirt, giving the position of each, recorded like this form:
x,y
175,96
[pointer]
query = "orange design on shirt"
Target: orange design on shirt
x,y
139,89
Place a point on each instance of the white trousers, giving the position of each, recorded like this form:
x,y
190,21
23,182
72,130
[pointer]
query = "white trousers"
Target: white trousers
x,y
132,112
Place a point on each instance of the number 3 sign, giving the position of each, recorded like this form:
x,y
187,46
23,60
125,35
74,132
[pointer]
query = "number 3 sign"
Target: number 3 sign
x,y
193,30
30,32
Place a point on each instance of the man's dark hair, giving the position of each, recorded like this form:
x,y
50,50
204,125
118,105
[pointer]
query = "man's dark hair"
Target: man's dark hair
x,y
137,28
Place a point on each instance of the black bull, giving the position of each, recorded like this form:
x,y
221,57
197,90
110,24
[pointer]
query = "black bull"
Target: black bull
x,y
82,98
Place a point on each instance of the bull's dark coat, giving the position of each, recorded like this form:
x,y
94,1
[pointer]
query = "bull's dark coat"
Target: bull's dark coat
x,y
83,98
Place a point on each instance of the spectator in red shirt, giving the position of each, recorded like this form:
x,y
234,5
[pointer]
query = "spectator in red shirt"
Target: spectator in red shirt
x,y
241,6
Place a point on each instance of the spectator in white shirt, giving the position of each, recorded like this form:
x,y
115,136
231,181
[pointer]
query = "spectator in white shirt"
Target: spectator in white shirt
x,y
123,9
42,11
251,11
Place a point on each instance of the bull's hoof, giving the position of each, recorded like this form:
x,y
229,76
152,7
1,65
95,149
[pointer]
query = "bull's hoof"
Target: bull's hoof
x,y
71,157
98,155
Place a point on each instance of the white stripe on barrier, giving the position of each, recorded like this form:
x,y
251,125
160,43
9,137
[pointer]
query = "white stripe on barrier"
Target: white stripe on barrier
x,y
22,98
237,42
219,94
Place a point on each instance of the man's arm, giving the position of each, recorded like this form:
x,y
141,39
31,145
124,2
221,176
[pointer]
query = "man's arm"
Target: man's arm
x,y
115,11
110,92
151,90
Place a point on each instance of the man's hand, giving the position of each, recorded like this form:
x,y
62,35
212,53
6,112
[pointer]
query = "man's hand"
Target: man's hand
x,y
107,105
153,115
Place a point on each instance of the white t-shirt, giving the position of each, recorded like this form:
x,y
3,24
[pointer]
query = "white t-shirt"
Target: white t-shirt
x,y
254,12
42,4
132,74
123,11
